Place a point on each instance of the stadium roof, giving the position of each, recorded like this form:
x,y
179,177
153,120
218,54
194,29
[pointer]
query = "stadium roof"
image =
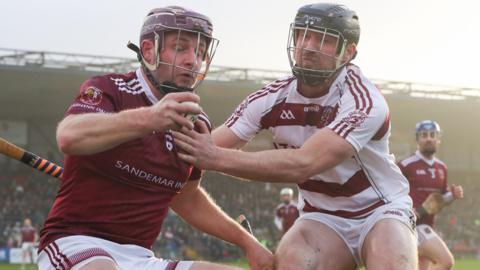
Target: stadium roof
x,y
105,64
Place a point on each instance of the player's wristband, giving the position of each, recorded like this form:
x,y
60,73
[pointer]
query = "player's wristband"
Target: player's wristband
x,y
448,197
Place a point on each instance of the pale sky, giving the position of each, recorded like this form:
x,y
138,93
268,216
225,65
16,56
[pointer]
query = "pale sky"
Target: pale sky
x,y
427,41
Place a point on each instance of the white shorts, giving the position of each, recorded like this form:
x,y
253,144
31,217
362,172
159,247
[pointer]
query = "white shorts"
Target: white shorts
x,y
28,246
354,231
425,232
73,252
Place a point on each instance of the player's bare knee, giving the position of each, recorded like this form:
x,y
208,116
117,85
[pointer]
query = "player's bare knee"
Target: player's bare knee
x,y
296,256
400,247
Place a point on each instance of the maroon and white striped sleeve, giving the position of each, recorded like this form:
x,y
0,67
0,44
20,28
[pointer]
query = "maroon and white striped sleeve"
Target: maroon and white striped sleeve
x,y
362,112
245,120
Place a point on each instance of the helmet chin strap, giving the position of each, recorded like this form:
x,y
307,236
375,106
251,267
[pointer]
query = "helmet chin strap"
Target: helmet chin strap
x,y
165,87
312,78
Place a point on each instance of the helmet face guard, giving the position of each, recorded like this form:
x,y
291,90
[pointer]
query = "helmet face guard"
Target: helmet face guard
x,y
182,22
297,49
325,21
200,68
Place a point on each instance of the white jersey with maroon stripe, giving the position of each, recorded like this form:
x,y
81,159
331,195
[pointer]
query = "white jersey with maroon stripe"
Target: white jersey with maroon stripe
x,y
354,109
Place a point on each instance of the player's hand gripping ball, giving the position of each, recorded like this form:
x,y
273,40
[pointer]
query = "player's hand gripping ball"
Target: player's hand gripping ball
x,y
189,116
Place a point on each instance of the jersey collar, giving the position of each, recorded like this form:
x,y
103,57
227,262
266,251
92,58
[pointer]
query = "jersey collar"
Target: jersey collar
x,y
147,90
422,157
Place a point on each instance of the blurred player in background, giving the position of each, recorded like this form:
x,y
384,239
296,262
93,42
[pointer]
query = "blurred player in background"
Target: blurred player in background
x,y
29,239
122,171
330,126
428,174
286,212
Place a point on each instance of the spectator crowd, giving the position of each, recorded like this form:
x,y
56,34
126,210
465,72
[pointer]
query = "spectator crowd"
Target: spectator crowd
x,y
25,193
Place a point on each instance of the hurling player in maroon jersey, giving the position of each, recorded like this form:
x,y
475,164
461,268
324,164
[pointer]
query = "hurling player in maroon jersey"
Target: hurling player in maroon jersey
x,y
286,212
427,174
122,170
29,238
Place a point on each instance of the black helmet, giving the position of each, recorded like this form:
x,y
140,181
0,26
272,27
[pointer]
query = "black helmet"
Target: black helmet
x,y
332,17
329,19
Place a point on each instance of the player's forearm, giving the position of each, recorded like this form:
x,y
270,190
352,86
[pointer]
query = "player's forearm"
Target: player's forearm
x,y
278,223
448,197
265,166
279,165
209,218
92,133
321,152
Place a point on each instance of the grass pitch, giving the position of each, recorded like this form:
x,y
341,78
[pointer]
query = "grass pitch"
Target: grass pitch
x,y
465,264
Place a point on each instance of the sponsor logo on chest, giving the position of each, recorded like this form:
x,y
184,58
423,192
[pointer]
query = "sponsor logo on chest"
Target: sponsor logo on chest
x,y
287,115
147,176
421,172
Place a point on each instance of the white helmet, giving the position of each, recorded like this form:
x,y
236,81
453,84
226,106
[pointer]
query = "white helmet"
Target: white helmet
x,y
286,191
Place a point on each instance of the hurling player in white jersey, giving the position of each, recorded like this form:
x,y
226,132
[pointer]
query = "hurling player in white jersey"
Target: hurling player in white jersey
x,y
122,171
330,126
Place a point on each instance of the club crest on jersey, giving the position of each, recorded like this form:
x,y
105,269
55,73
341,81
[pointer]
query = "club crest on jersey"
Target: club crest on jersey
x,y
91,96
441,174
355,118
327,114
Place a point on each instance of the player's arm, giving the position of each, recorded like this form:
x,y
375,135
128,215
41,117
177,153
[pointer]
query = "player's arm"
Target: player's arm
x,y
455,192
36,237
322,151
223,136
278,222
197,208
90,133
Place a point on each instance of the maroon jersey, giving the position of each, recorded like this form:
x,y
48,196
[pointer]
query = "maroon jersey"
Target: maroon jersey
x,y
28,233
287,213
425,176
121,194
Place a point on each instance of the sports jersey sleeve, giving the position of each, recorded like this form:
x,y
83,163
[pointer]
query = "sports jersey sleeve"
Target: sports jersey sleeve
x,y
362,112
278,218
445,186
278,212
95,96
245,120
